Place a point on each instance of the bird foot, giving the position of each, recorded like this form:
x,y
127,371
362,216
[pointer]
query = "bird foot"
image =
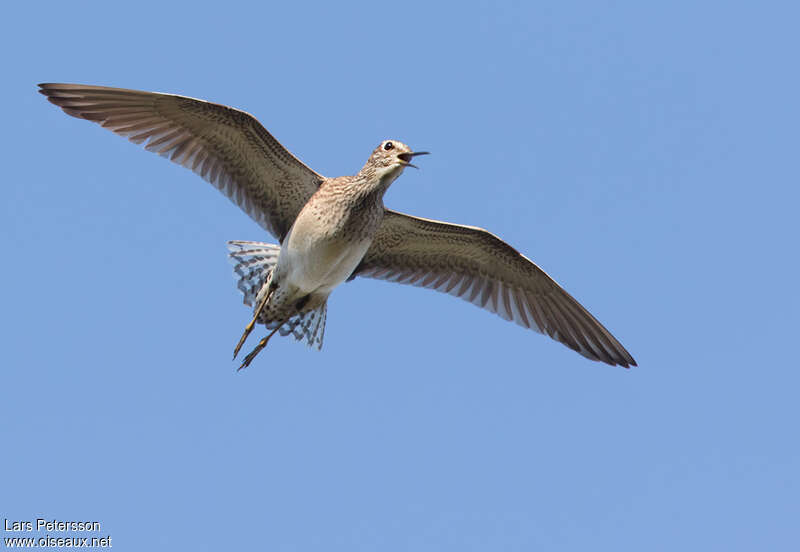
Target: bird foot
x,y
247,330
251,325
261,344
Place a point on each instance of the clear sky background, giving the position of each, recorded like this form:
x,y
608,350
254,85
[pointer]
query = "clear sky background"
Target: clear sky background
x,y
645,154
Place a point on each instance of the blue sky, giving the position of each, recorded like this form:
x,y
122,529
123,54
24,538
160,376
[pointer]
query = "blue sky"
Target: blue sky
x,y
644,154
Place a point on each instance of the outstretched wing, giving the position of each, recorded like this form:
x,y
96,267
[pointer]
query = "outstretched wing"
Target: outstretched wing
x,y
479,267
227,147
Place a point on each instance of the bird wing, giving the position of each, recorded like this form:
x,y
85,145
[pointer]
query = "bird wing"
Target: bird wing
x,y
227,147
477,266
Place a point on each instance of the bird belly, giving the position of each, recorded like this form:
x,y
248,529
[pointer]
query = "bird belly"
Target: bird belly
x,y
319,265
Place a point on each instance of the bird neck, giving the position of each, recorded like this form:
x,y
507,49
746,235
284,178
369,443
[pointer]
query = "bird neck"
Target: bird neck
x,y
376,180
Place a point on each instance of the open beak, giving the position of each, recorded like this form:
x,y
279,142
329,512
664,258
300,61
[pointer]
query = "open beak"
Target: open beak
x,y
406,157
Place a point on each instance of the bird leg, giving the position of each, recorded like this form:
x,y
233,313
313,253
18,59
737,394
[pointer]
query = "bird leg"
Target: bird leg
x,y
261,344
251,325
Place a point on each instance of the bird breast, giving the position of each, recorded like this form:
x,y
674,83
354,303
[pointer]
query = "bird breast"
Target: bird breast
x,y
323,248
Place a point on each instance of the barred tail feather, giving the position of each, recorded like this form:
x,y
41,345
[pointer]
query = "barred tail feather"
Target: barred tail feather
x,y
308,325
253,263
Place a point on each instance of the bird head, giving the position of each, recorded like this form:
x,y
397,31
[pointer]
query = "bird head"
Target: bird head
x,y
389,159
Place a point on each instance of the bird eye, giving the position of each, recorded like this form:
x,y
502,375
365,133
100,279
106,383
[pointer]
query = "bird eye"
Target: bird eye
x,y
387,146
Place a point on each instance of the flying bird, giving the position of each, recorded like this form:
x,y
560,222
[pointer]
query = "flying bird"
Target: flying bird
x,y
332,230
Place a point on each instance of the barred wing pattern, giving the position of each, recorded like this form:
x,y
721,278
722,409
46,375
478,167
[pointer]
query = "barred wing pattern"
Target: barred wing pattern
x,y
477,266
227,147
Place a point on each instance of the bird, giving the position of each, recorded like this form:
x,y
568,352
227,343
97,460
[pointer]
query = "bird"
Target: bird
x,y
332,230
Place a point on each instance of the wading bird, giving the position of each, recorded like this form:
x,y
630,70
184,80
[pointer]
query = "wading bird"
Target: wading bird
x,y
332,229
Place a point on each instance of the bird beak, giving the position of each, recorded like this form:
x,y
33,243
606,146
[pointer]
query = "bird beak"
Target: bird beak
x,y
406,157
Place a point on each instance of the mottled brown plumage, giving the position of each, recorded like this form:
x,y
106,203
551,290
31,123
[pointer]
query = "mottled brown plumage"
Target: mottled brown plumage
x,y
333,229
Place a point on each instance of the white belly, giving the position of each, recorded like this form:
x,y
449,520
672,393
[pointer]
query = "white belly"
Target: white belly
x,y
318,265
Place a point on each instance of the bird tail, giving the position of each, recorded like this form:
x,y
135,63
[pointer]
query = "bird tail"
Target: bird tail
x,y
253,263
308,325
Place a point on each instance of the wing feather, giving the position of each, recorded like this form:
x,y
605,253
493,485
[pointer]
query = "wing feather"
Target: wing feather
x,y
477,266
227,147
